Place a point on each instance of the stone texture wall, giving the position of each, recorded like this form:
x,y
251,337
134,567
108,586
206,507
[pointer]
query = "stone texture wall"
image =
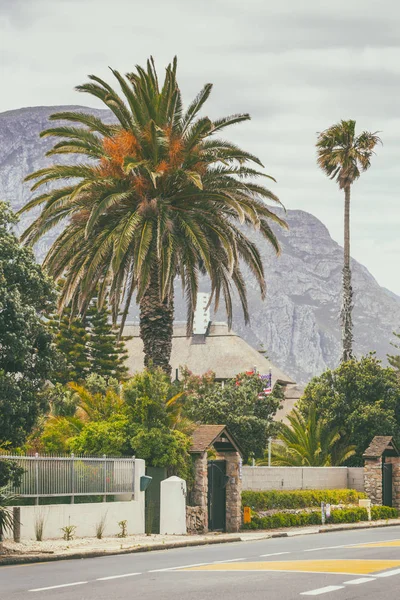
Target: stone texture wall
x,y
196,519
395,480
233,492
200,486
373,479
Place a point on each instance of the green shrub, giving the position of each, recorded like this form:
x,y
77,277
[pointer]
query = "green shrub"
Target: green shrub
x,y
348,515
299,498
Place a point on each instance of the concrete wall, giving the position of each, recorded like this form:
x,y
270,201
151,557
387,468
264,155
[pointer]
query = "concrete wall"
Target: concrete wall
x,y
302,478
86,516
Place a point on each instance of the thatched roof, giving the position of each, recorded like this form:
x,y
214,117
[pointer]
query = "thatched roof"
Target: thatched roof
x,y
293,393
380,445
220,350
207,436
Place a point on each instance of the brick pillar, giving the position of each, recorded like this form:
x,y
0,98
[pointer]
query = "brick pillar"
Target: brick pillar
x,y
373,479
233,492
200,487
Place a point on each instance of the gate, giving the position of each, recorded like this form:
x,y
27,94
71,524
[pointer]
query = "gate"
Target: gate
x,y
387,499
217,481
152,499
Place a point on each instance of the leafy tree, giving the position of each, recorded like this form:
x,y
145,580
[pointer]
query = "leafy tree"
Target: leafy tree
x,y
164,448
26,349
111,437
107,353
394,360
72,339
159,197
240,405
343,155
360,398
308,441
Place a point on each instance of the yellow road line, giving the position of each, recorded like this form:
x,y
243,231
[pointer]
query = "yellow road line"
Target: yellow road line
x,y
388,544
352,567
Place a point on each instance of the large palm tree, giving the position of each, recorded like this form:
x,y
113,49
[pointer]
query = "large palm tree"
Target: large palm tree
x,y
343,155
156,196
307,441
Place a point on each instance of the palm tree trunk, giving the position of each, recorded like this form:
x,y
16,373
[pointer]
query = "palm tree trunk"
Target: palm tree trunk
x,y
156,325
347,299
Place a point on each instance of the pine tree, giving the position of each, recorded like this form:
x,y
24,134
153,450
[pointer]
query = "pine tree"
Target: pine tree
x,y
107,354
394,360
71,338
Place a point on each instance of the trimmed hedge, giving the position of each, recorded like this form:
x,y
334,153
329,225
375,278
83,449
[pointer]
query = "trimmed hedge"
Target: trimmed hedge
x,y
348,515
299,498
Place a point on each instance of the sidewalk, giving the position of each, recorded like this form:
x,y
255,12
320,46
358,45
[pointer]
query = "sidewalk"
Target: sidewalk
x,y
32,551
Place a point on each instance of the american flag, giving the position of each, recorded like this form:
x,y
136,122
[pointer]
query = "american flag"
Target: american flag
x,y
268,389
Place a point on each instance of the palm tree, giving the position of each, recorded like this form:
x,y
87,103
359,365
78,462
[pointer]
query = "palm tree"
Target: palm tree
x,y
156,197
307,441
343,156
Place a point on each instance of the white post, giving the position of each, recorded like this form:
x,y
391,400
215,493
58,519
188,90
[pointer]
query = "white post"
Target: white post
x,y
269,450
173,506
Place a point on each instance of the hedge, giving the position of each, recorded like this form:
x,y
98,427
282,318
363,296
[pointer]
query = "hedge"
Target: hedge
x,y
299,498
348,515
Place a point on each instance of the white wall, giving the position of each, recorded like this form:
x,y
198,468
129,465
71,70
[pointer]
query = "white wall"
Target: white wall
x,y
302,478
86,516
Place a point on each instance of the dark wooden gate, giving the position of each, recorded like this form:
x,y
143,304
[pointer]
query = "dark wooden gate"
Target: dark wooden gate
x,y
152,499
217,481
387,499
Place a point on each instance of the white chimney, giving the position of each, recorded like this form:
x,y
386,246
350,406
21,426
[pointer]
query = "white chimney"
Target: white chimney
x,y
201,314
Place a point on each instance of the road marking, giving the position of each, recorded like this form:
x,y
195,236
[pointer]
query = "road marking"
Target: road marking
x,y
117,576
358,545
388,544
324,590
274,554
340,566
55,587
389,573
181,567
226,561
360,580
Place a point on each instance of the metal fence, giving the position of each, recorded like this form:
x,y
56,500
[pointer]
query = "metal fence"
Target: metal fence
x,y
46,476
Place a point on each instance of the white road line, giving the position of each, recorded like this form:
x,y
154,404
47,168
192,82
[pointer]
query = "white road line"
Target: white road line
x,y
388,573
324,590
175,568
54,587
117,576
216,562
360,544
274,554
359,580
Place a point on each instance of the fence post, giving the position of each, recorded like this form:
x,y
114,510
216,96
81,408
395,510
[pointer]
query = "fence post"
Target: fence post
x,y
72,478
17,524
105,479
37,478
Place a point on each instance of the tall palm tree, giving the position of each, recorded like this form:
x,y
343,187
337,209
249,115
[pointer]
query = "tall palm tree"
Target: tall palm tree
x,y
307,441
157,196
343,156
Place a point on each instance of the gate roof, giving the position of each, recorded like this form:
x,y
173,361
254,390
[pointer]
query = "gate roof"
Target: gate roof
x,y
217,436
381,445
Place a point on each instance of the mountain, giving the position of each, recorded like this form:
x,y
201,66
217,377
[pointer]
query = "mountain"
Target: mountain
x,y
298,324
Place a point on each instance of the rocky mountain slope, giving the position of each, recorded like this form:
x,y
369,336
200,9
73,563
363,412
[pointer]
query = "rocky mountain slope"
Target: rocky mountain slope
x,y
298,324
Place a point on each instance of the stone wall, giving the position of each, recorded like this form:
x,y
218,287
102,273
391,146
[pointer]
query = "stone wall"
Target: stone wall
x,y
199,495
196,519
373,479
233,492
302,478
395,480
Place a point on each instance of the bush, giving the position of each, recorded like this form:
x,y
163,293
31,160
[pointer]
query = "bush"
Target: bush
x,y
299,498
348,515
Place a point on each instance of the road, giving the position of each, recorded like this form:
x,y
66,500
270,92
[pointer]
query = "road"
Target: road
x,y
349,565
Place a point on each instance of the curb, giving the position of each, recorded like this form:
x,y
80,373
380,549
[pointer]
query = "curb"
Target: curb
x,y
27,559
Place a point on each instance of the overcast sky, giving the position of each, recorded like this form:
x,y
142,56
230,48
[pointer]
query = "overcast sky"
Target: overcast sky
x,y
297,67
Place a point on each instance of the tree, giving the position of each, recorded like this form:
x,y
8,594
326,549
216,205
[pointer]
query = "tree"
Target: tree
x,y
308,441
239,405
72,340
343,156
394,360
360,398
107,353
26,348
159,197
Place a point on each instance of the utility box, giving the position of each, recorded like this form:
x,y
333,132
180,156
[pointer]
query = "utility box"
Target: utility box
x,y
173,506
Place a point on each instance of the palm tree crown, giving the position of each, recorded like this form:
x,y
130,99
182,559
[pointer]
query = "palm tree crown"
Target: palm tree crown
x,y
342,155
157,196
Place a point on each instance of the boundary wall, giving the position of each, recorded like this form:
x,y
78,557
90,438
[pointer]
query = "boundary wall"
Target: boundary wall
x,y
302,478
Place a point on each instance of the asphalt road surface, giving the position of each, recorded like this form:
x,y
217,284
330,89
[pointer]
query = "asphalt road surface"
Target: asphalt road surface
x,y
359,564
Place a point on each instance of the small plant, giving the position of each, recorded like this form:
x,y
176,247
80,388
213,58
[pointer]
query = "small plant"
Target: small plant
x,y
69,531
39,526
100,527
6,514
123,525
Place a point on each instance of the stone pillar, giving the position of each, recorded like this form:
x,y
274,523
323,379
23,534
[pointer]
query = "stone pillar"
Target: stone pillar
x,y
200,487
233,492
395,460
373,479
